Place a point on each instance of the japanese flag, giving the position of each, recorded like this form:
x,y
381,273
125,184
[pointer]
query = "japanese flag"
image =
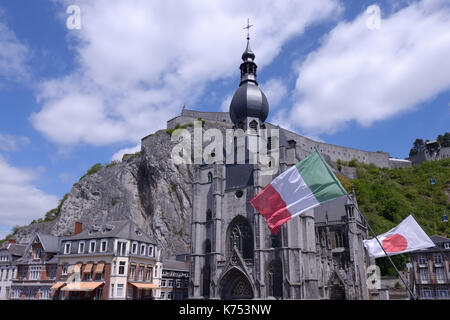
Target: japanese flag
x,y
407,236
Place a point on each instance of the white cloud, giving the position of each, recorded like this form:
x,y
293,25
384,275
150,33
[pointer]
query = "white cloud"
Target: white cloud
x,y
13,55
371,75
139,61
12,143
225,105
20,201
119,154
275,90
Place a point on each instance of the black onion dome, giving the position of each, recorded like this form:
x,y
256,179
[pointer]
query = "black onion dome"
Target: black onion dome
x,y
249,101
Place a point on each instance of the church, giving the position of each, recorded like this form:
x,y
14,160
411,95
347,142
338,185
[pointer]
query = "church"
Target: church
x,y
233,254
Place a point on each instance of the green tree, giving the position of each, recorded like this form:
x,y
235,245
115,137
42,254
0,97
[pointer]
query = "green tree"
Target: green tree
x,y
444,140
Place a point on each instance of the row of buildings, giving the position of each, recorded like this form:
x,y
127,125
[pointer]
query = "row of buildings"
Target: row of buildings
x,y
114,261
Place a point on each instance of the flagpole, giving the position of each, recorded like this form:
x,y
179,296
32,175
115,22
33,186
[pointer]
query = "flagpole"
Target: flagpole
x,y
392,262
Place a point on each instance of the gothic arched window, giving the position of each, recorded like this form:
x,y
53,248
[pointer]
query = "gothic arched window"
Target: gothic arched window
x,y
210,177
275,279
240,236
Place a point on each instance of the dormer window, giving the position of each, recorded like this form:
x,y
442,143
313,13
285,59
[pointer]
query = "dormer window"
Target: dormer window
x,y
81,247
92,245
67,247
143,249
103,246
446,245
150,251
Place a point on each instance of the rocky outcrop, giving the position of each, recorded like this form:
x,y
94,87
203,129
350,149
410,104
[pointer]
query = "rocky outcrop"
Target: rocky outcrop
x,y
146,188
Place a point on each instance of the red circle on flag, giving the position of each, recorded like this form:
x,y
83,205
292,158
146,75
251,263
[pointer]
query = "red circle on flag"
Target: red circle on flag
x,y
395,243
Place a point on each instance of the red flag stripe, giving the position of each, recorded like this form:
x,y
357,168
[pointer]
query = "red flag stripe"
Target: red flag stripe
x,y
272,207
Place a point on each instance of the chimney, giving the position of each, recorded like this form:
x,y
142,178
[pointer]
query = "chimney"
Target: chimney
x,y
78,227
11,241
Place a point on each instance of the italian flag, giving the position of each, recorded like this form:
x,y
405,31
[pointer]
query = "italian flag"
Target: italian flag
x,y
304,186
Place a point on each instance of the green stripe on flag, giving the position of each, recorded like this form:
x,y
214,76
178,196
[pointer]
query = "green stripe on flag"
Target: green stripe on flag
x,y
320,179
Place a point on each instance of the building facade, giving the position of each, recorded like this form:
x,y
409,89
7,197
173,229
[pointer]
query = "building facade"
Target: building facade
x,y
114,261
233,253
175,280
430,270
36,269
10,252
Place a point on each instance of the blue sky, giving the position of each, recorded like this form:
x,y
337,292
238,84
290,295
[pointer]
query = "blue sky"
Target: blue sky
x,y
72,98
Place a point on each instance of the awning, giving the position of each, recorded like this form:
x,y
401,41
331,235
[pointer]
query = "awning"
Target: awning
x,y
99,268
57,285
141,265
82,286
149,266
133,263
88,268
141,285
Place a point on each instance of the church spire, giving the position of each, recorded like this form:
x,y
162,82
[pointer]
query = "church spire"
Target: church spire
x,y
248,67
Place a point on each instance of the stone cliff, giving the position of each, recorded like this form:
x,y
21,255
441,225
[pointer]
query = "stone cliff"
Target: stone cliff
x,y
146,188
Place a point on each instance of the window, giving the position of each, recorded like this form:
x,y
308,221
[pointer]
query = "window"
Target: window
x,y
67,247
156,272
437,259
92,246
103,246
112,290
169,295
121,248
132,273
442,294
426,293
422,260
44,293
130,292
163,295
99,293
178,283
121,268
134,248
114,267
150,251
171,283
253,126
65,267
51,272
16,293
210,177
149,274
141,273
37,253
424,275
163,283
7,292
447,245
30,293
23,273
81,247
440,275
120,290
143,246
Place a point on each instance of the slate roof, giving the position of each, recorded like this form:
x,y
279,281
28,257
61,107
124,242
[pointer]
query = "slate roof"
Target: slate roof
x,y
49,243
14,249
175,265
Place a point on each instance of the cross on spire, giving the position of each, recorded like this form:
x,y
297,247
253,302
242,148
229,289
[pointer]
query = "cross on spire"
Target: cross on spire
x,y
248,26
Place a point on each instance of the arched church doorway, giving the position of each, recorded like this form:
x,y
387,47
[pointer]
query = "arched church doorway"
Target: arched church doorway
x,y
235,285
